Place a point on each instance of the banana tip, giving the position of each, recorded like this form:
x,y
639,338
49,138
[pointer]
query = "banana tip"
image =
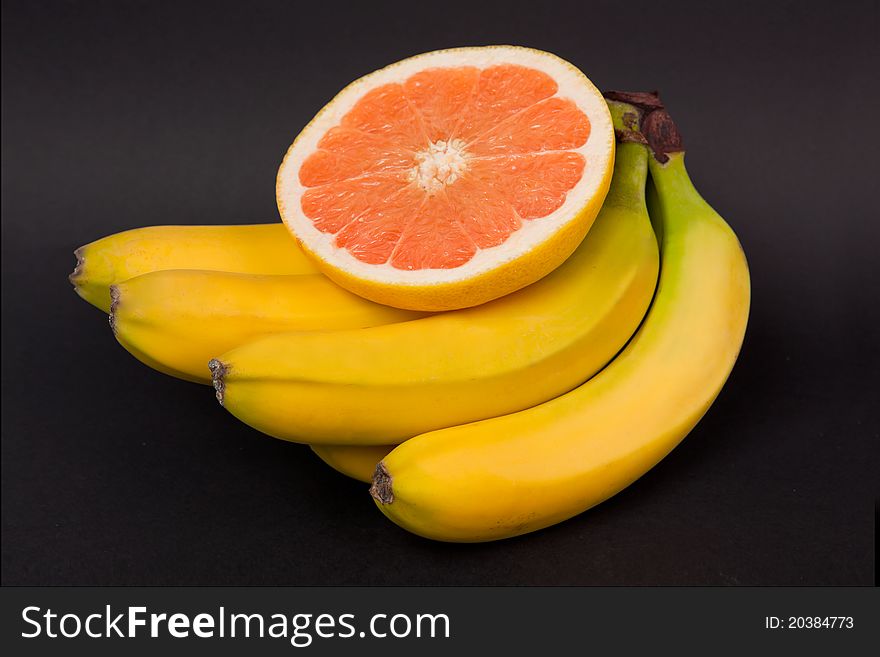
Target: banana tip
x,y
218,371
380,489
77,270
114,304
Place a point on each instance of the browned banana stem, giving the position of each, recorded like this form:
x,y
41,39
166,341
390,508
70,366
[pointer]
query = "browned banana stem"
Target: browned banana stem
x,y
655,126
381,487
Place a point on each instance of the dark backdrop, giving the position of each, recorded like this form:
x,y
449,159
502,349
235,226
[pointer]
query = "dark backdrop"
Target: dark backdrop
x,y
124,114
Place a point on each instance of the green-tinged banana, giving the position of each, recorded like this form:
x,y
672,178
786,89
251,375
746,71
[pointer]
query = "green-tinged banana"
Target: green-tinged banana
x,y
252,249
385,384
356,461
176,320
521,472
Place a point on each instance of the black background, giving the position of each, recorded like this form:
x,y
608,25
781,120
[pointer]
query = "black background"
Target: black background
x,y
124,114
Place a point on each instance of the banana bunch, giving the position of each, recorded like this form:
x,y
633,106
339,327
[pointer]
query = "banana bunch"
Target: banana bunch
x,y
475,424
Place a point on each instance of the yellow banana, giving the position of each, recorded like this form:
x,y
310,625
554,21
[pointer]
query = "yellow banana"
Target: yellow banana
x,y
521,472
385,384
356,461
255,249
176,320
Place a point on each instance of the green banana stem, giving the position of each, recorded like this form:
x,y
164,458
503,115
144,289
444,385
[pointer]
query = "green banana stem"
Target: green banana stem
x,y
630,174
631,158
626,119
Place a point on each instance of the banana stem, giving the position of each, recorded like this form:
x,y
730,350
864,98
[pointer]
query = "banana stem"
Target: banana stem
x,y
641,118
654,126
631,158
630,174
641,121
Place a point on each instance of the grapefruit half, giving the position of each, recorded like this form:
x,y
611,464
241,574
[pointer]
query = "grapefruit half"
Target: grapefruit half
x,y
450,178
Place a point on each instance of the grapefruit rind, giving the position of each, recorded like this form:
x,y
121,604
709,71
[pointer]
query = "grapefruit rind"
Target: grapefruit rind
x,y
528,254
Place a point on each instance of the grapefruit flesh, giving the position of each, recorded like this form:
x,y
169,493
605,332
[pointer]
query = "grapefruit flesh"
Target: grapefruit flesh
x,y
450,178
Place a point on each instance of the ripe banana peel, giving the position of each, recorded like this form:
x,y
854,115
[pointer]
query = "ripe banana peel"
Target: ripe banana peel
x,y
255,249
175,321
355,461
515,474
384,384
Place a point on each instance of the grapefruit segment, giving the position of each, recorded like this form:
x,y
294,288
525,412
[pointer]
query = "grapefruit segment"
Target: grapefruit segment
x,y
433,239
482,208
386,113
334,205
450,178
345,153
535,184
552,124
441,97
502,91
372,235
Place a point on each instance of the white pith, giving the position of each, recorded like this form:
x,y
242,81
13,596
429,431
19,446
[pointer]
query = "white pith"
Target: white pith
x,y
573,85
439,165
